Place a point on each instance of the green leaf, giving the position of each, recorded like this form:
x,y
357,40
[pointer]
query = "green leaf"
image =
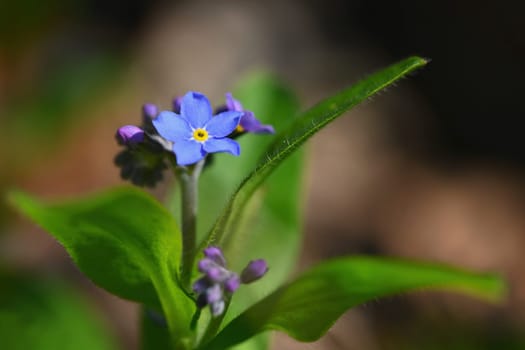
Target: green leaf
x,y
47,315
303,128
123,240
307,307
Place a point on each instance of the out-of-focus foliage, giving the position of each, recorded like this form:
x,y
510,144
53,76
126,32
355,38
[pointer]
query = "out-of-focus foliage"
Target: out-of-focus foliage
x,y
46,315
127,243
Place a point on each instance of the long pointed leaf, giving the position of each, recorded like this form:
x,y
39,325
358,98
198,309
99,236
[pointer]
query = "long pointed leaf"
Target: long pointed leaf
x,y
303,128
307,307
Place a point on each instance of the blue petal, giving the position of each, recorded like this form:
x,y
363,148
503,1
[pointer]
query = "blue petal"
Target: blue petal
x,y
222,145
223,123
196,108
172,126
188,152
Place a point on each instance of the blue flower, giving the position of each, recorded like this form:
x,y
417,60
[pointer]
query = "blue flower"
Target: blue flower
x,y
195,132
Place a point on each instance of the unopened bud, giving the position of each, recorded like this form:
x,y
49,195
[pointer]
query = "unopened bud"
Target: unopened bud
x,y
232,284
215,254
129,135
150,111
255,270
176,103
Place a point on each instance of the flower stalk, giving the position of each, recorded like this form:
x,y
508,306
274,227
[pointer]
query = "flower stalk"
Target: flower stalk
x,y
189,181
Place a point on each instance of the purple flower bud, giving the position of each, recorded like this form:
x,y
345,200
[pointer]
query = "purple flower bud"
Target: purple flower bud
x,y
217,274
214,294
255,270
149,111
232,283
215,254
206,264
201,285
129,135
217,308
217,284
176,103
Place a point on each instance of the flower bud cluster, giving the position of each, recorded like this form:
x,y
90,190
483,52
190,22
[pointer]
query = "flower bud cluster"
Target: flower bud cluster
x,y
218,283
142,160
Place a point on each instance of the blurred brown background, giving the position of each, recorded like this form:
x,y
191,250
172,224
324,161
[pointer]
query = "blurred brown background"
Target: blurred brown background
x,y
432,169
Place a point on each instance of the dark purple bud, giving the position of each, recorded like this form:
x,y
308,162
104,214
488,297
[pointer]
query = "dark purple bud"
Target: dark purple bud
x,y
149,111
176,103
255,270
201,285
217,308
215,254
129,135
232,284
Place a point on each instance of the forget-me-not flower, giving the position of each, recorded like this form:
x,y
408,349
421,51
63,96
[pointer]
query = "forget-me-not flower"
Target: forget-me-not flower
x,y
195,132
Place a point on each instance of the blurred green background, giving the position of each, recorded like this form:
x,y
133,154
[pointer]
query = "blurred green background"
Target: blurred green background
x,y
432,169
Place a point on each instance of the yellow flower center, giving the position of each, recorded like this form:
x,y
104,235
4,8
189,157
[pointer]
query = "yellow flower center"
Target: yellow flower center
x,y
200,135
239,128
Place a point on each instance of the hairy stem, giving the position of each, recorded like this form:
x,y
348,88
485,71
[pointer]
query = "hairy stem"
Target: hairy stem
x,y
189,179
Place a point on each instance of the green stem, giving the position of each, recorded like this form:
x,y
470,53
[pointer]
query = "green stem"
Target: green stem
x,y
214,325
189,178
177,315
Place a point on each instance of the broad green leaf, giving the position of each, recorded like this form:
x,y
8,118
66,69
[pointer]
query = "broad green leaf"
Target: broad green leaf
x,y
307,307
42,314
123,240
303,128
